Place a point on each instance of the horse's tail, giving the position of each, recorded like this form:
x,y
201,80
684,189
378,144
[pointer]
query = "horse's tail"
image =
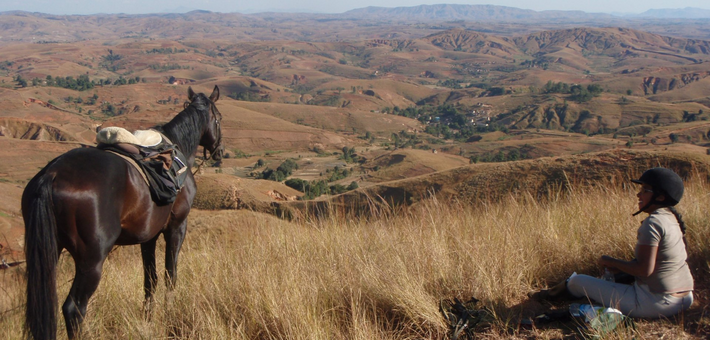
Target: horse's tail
x,y
41,254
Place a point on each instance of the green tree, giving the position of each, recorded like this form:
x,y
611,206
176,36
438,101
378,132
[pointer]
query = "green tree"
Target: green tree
x,y
21,81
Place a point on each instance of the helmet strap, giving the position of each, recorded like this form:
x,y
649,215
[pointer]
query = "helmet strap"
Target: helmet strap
x,y
652,202
642,209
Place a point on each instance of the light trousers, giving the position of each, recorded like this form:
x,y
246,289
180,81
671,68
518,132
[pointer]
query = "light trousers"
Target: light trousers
x,y
632,300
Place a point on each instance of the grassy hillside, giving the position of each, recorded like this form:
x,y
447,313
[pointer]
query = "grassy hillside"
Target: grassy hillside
x,y
246,275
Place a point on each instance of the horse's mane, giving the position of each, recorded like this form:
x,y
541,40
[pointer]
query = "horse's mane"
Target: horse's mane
x,y
186,128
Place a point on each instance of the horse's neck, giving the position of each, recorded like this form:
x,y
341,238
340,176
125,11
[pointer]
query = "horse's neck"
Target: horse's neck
x,y
185,131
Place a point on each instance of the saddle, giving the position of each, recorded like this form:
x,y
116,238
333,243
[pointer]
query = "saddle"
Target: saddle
x,y
161,164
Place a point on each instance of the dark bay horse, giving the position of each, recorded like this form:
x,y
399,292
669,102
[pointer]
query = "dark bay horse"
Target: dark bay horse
x,y
88,200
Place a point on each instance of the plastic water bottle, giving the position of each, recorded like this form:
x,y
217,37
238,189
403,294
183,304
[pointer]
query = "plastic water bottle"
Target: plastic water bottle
x,y
608,275
574,310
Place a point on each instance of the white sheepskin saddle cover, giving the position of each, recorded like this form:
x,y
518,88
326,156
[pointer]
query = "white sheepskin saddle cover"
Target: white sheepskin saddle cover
x,y
115,135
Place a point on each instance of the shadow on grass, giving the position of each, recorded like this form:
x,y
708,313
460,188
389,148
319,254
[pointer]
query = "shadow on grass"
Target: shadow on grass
x,y
535,319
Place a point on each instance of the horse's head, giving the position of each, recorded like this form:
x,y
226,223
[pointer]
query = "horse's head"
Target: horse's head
x,y
211,139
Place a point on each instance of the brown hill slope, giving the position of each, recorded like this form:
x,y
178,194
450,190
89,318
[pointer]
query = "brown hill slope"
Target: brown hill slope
x,y
473,42
610,41
405,163
494,181
342,121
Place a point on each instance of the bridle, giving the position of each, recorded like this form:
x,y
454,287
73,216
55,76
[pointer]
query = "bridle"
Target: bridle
x,y
217,119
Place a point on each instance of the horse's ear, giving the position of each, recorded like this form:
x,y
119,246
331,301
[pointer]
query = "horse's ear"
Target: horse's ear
x,y
190,93
215,94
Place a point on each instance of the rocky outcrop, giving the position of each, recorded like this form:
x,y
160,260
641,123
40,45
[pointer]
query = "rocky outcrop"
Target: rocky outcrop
x,y
394,43
21,129
653,85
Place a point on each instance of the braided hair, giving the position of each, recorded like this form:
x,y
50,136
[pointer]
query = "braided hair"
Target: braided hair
x,y
681,223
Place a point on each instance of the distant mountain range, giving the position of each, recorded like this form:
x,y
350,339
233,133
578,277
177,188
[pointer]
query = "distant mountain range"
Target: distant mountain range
x,y
465,12
688,13
486,13
373,22
503,13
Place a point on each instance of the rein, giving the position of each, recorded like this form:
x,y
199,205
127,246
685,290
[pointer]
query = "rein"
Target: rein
x,y
197,168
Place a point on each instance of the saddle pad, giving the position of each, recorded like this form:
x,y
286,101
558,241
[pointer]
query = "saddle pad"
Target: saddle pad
x,y
115,135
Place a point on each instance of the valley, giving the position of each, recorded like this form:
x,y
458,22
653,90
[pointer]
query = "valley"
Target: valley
x,y
326,113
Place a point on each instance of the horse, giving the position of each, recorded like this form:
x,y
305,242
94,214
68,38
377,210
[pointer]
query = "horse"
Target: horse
x,y
87,201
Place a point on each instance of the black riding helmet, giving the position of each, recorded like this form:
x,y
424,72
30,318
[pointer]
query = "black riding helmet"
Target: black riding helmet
x,y
664,182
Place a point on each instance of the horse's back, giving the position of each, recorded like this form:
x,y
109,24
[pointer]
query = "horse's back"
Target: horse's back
x,y
95,194
86,165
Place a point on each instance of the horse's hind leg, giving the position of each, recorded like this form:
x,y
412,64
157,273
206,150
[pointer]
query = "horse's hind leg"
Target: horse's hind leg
x,y
86,280
150,275
173,243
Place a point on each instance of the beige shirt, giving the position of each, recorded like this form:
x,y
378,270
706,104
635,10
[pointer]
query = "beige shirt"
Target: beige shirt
x,y
671,273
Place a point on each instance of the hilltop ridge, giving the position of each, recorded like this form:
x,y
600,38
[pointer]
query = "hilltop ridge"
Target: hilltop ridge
x,y
467,12
400,22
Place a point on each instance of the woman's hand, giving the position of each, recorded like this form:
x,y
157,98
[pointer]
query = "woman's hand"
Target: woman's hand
x,y
606,261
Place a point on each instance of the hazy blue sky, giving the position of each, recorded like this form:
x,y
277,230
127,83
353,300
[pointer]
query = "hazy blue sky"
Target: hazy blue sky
x,y
322,6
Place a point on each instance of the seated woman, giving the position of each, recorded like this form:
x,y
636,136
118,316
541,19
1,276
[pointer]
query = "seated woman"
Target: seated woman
x,y
663,284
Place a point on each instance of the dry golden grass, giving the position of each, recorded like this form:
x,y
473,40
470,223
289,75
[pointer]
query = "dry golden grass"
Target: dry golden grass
x,y
245,275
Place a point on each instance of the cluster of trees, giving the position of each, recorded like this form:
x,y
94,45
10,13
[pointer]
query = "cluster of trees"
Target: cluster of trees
x,y
249,96
501,156
166,50
404,139
497,91
5,65
21,82
281,173
167,67
328,100
450,83
113,110
109,61
444,121
369,136
313,189
349,155
80,83
169,100
337,174
577,92
463,133
126,81
111,57
691,117
78,100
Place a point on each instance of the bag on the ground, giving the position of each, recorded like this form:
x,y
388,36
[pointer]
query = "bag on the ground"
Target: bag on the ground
x,y
465,317
599,321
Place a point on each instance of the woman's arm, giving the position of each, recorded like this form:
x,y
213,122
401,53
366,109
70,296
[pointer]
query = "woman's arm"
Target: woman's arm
x,y
642,266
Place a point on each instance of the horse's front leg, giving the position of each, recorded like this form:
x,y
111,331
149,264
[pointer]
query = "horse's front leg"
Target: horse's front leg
x,y
173,242
150,274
